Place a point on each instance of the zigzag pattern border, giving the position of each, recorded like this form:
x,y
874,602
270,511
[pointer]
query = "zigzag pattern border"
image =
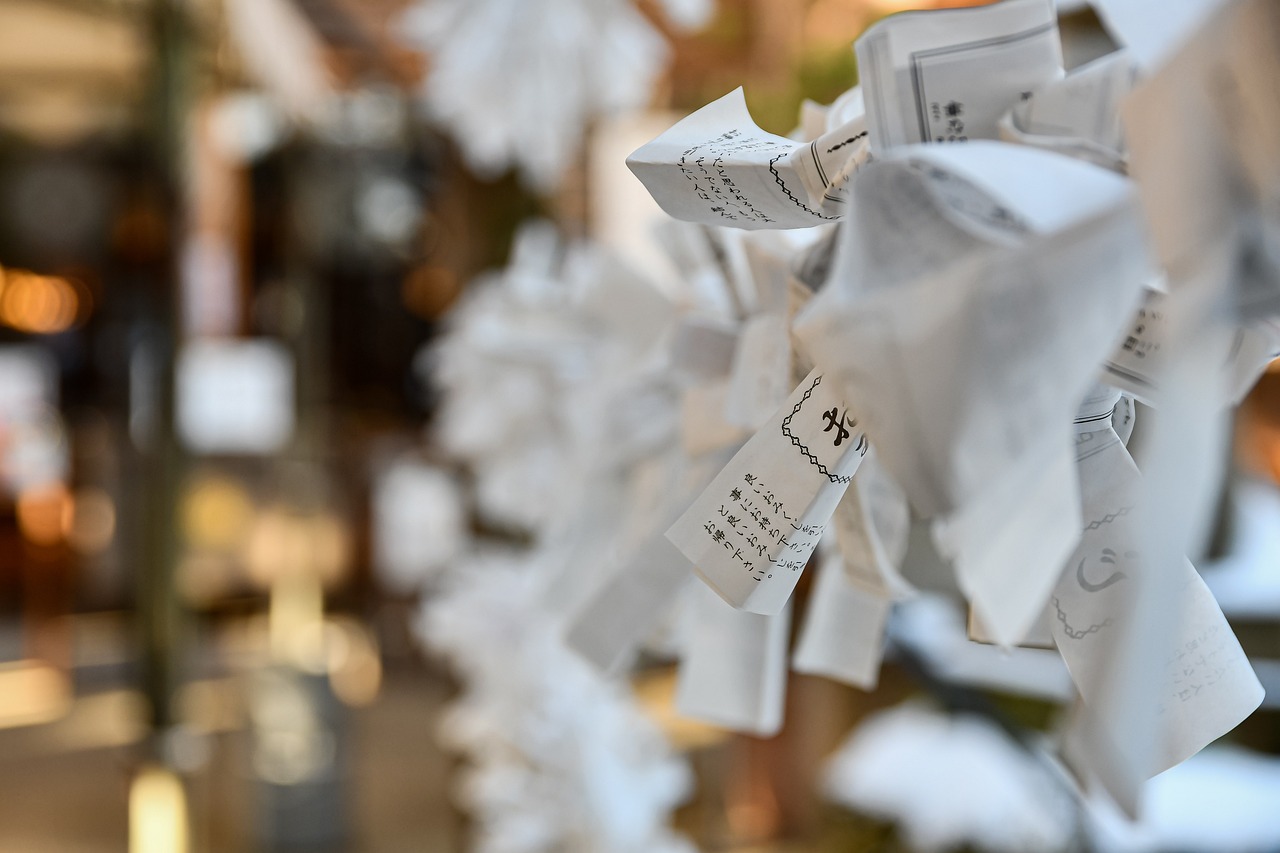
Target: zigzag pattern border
x,y
786,424
797,202
1108,518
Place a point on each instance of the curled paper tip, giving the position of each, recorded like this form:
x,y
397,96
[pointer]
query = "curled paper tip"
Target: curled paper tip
x,y
717,167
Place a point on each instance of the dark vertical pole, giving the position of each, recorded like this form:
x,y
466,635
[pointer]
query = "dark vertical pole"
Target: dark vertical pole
x,y
159,612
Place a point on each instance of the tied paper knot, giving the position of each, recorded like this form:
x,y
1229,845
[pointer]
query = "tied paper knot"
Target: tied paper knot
x,y
1098,410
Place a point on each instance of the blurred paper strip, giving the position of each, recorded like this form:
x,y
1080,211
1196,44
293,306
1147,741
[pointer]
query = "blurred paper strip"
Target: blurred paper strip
x,y
611,626
872,525
1205,684
703,425
1153,29
1079,115
761,376
517,83
948,76
843,633
734,672
281,50
1218,186
977,290
1244,354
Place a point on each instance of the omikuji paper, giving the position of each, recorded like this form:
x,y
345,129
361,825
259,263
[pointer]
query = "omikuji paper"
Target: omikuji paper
x,y
1152,29
703,347
872,524
761,375
949,76
760,378
1078,115
718,168
843,633
611,626
977,289
750,534
644,585
1206,684
704,426
1135,365
1220,186
734,671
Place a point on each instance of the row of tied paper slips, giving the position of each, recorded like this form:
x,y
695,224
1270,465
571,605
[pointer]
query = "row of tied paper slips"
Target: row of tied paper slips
x,y
968,336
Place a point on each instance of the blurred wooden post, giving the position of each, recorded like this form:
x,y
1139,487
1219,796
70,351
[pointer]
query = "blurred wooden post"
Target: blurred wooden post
x,y
159,613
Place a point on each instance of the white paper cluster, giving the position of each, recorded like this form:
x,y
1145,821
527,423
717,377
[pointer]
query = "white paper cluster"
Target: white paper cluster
x,y
518,82
1007,254
551,403
557,759
545,381
990,267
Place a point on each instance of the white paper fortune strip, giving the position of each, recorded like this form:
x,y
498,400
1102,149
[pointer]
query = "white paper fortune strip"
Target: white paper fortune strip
x,y
1152,29
1135,364
872,524
734,671
977,289
1079,115
612,625
843,633
718,167
761,375
1219,186
751,532
1206,686
949,76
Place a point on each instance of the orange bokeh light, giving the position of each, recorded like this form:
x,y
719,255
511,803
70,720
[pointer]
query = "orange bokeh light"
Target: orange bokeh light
x,y
45,513
40,304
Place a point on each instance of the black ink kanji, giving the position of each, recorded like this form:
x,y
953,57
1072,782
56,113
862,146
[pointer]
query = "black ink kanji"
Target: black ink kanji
x,y
836,421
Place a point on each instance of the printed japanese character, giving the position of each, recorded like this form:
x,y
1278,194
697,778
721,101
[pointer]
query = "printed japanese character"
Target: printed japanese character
x,y
836,421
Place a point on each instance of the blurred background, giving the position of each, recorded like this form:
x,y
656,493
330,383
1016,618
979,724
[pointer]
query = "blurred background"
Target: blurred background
x,y
231,232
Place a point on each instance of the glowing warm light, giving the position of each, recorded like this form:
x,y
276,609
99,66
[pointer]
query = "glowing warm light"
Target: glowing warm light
x,y
355,670
296,622
44,513
284,543
92,524
157,812
32,693
40,304
216,514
